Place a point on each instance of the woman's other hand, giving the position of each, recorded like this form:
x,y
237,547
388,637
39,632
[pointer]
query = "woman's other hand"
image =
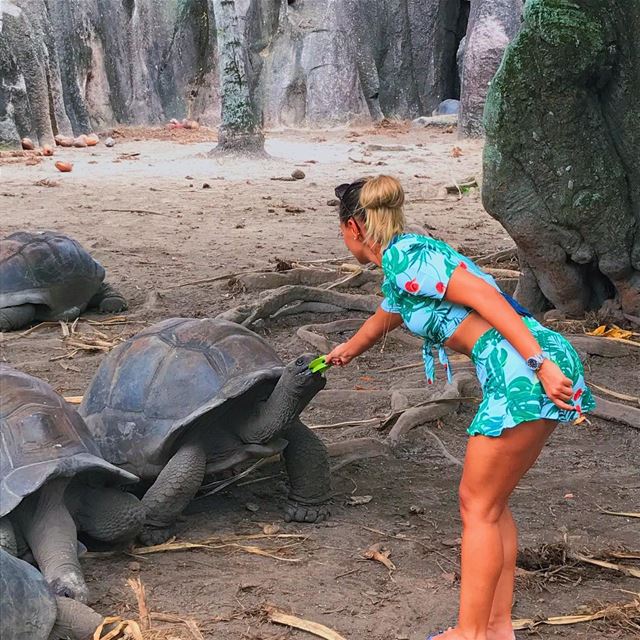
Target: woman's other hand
x,y
556,385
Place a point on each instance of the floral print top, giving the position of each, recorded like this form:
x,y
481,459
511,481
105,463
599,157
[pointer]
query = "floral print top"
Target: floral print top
x,y
416,274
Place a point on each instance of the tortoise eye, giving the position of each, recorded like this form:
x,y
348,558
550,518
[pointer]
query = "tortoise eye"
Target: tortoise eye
x,y
299,362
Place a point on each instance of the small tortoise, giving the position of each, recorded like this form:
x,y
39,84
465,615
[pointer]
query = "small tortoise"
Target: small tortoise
x,y
49,276
186,398
54,483
29,610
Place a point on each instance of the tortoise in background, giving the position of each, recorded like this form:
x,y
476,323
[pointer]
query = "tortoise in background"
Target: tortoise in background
x,y
29,610
50,276
189,397
54,483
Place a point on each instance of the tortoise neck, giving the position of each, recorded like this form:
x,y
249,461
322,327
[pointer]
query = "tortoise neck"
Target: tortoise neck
x,y
284,404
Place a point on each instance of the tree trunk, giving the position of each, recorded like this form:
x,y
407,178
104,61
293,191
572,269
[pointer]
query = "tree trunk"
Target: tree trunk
x,y
562,159
239,131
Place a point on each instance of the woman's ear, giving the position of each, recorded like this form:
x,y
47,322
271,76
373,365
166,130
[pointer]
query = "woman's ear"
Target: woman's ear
x,y
353,228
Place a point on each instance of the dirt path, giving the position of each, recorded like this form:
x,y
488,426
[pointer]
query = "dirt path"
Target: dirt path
x,y
152,222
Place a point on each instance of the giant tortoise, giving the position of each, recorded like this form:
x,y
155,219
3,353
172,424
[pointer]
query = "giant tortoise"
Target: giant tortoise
x,y
29,610
49,276
54,483
190,397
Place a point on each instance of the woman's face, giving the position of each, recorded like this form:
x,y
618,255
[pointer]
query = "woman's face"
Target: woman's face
x,y
354,241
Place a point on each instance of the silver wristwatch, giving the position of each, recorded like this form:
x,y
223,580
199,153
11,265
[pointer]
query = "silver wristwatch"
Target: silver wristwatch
x,y
535,362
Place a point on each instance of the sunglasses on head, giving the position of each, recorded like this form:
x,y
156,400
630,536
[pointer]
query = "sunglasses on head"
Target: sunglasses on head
x,y
343,190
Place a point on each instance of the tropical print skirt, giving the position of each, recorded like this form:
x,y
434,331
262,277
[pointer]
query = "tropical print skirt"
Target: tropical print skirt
x,y
512,392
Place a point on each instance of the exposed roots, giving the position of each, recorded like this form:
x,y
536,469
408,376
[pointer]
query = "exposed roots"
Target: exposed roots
x,y
272,303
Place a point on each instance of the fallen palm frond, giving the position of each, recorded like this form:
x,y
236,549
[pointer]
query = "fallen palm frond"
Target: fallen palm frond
x,y
627,571
628,612
316,629
215,544
615,333
122,629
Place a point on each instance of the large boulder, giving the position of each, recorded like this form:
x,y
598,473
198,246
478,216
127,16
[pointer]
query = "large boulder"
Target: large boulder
x,y
492,25
562,159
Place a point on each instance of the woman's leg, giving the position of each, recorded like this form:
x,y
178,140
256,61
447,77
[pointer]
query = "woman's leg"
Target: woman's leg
x,y
500,618
492,469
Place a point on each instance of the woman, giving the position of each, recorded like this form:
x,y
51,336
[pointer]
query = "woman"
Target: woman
x,y
531,378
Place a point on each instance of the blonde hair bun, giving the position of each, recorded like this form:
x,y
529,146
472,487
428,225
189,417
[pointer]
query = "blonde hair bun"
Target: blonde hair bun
x,y
382,198
382,192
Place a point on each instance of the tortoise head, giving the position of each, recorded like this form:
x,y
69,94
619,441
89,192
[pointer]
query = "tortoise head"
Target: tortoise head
x,y
300,382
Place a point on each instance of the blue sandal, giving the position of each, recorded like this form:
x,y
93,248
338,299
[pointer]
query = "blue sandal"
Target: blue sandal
x,y
432,637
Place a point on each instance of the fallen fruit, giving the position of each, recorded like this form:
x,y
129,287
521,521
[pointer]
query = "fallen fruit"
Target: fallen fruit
x,y
80,141
64,141
27,144
64,167
92,140
47,150
298,174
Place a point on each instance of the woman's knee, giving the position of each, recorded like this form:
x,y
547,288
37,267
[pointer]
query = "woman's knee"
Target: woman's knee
x,y
479,507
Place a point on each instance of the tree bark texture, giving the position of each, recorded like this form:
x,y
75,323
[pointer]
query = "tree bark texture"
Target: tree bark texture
x,y
562,159
239,130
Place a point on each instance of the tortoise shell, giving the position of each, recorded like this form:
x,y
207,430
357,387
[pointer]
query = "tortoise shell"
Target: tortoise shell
x,y
152,387
47,269
41,438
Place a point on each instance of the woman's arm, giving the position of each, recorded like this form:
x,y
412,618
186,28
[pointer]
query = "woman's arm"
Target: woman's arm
x,y
370,332
468,290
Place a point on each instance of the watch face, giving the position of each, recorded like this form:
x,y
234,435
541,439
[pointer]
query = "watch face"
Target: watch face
x,y
534,363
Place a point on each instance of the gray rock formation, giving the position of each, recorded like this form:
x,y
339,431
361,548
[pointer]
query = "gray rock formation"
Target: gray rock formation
x,y
71,67
492,25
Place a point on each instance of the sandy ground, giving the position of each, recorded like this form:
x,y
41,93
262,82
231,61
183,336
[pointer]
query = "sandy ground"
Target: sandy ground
x,y
157,213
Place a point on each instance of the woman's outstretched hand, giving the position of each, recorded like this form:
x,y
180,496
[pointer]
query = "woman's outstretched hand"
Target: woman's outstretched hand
x,y
340,356
556,385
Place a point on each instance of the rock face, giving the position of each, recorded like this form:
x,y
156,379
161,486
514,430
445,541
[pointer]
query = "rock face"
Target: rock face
x,y
72,66
492,25
562,159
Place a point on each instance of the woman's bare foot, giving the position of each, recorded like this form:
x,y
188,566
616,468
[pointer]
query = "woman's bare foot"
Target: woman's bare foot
x,y
501,632
451,634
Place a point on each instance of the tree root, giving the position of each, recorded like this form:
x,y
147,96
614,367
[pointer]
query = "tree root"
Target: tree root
x,y
325,278
596,346
447,402
272,302
308,333
617,412
356,449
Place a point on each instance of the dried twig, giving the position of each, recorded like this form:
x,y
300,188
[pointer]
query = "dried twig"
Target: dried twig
x,y
625,514
316,629
140,211
143,612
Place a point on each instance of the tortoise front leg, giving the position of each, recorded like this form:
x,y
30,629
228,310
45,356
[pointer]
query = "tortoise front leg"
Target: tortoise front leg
x,y
307,462
172,491
108,300
12,318
51,535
